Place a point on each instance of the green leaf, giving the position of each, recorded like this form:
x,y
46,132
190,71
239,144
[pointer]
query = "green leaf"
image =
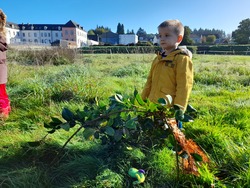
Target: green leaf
x,y
118,135
65,126
110,122
196,157
139,99
130,124
88,132
67,114
152,107
110,131
135,93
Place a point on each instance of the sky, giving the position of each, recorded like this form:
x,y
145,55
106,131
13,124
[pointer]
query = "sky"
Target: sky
x,y
223,15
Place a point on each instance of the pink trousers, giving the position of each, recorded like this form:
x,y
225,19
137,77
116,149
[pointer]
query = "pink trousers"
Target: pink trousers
x,y
4,102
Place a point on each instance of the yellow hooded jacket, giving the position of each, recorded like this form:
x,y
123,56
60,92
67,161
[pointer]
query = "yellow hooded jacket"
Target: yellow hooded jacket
x,y
170,75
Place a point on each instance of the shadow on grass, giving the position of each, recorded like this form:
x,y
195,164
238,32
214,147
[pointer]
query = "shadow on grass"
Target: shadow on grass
x,y
47,165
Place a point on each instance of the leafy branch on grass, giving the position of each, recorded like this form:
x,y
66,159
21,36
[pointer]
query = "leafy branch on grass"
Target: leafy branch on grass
x,y
132,121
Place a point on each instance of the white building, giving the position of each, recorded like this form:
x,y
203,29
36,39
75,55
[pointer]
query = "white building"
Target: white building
x,y
128,39
45,34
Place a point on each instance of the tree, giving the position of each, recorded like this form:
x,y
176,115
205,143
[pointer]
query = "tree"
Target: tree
x,y
120,29
242,34
91,32
141,33
100,30
211,39
186,38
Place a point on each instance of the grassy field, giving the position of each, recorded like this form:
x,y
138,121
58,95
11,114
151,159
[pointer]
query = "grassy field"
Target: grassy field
x,y
220,94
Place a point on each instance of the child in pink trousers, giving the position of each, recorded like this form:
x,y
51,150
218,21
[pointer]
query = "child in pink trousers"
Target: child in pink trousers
x,y
4,100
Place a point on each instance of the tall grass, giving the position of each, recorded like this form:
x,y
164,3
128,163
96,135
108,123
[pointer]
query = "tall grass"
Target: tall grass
x,y
221,95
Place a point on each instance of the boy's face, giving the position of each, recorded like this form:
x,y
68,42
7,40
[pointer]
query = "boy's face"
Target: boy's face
x,y
168,39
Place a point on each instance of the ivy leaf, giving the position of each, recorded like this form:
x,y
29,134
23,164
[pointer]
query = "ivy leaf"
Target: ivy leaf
x,y
196,157
110,131
67,114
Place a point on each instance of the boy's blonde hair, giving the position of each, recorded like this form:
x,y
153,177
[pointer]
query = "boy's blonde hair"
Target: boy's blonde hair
x,y
2,22
176,24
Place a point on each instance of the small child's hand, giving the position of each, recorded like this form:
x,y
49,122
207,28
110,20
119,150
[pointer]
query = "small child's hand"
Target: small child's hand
x,y
179,114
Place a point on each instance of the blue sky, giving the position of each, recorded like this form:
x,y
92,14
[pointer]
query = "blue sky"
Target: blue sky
x,y
147,14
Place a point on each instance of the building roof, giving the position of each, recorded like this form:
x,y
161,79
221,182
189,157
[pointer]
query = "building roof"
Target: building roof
x,y
109,34
71,23
56,27
12,25
29,26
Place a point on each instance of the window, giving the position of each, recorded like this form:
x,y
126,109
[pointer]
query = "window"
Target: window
x,y
35,34
72,32
56,34
41,34
28,34
66,32
23,34
48,34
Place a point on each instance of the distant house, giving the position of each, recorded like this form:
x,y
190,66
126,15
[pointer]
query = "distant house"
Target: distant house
x,y
128,39
46,34
196,38
109,38
13,33
93,39
72,31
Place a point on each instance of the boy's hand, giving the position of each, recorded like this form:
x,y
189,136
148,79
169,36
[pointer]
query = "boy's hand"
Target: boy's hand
x,y
179,114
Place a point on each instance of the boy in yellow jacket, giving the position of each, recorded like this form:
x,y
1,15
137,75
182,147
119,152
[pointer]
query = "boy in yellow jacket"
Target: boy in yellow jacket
x,y
171,72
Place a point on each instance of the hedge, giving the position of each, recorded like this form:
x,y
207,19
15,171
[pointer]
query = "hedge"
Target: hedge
x,y
125,49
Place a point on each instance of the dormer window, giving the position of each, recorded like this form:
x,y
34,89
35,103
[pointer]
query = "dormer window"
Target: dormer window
x,y
45,27
59,28
23,27
32,27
